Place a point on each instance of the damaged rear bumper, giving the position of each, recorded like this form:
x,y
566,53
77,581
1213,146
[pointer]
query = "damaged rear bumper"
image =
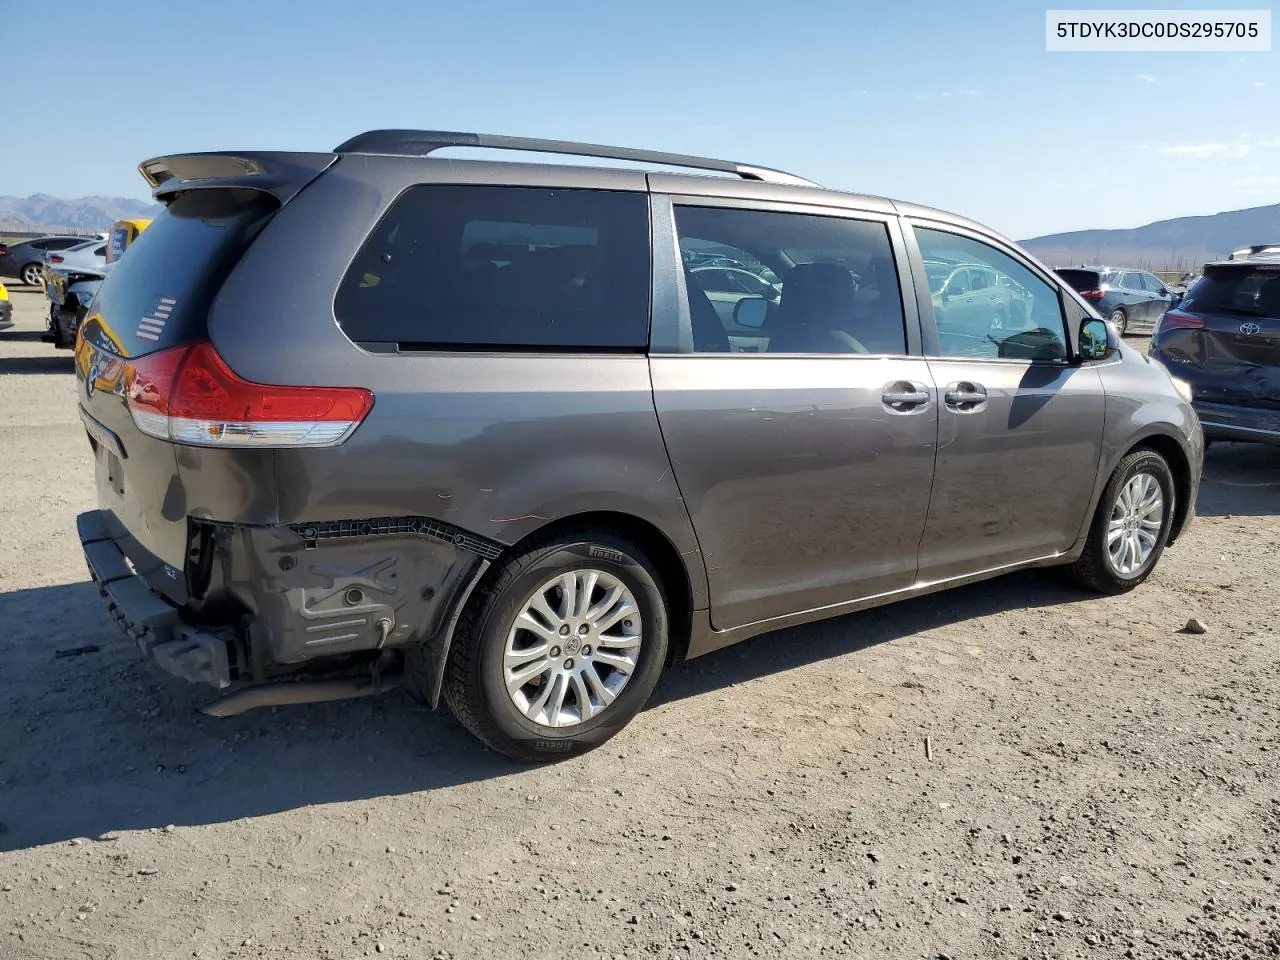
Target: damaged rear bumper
x,y
266,602
147,618
1224,421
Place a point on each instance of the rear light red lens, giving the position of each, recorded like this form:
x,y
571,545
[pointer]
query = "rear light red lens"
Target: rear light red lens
x,y
1091,294
189,395
56,258
1177,320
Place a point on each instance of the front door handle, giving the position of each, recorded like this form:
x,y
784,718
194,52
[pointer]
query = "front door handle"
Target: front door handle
x,y
965,396
905,396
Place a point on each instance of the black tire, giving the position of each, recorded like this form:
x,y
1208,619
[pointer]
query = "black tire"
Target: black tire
x,y
62,340
1122,323
473,679
1094,568
32,274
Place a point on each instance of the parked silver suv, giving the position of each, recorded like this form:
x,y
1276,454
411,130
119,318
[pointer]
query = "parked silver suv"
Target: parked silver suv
x,y
371,416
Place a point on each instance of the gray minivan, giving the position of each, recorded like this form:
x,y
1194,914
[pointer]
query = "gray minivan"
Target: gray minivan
x,y
374,416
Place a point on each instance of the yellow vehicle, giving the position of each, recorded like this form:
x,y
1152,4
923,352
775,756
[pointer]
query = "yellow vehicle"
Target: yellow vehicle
x,y
123,233
6,309
71,291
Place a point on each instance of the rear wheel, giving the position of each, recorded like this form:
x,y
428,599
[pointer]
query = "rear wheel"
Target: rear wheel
x,y
1119,319
33,275
1131,525
559,648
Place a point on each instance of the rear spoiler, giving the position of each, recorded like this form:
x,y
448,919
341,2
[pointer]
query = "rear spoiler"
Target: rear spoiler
x,y
283,175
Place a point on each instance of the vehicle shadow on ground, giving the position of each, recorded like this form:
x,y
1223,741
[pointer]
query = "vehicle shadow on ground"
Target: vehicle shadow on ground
x,y
62,363
1240,480
784,650
22,336
100,741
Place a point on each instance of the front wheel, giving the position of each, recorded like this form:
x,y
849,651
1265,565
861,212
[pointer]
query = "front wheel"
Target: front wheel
x,y
1131,525
559,648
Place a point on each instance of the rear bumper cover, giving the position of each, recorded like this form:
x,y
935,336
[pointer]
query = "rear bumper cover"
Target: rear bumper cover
x,y
1222,421
6,314
145,617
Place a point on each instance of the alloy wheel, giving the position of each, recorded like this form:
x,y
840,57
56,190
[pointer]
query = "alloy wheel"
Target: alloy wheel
x,y
573,647
1134,528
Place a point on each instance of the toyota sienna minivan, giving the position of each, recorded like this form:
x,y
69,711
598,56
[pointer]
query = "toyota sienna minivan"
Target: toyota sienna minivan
x,y
377,416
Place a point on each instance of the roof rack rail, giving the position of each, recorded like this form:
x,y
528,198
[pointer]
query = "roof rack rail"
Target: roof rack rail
x,y
424,142
1268,249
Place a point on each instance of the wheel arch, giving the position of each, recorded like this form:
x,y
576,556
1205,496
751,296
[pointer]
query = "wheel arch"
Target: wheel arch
x,y
1180,465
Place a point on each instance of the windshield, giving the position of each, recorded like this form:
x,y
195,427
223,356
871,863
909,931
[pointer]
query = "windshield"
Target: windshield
x,y
1250,290
937,272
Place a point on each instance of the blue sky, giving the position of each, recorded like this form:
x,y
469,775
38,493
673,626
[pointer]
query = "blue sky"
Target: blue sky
x,y
956,106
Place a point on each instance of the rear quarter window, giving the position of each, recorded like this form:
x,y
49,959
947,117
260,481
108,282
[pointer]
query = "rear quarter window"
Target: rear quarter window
x,y
159,294
480,267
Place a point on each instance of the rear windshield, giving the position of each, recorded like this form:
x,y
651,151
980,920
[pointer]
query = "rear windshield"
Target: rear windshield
x,y
1246,290
521,268
1081,279
158,295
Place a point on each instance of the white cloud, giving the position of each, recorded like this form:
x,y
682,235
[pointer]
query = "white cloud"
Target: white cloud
x,y
1257,181
1146,78
1192,149
1259,83
1242,146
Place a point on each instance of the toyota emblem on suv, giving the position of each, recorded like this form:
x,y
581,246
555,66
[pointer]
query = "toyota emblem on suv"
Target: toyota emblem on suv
x,y
1250,329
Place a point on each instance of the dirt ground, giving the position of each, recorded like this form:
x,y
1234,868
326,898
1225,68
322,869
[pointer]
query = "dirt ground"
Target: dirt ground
x,y
1101,784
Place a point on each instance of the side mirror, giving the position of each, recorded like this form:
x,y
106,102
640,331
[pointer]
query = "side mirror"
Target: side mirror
x,y
751,312
1164,291
1098,340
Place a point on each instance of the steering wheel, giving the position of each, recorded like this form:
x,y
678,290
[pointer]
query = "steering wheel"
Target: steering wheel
x,y
849,342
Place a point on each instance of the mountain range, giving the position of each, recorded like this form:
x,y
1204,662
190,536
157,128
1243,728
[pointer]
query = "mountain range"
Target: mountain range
x,y
45,213
1180,244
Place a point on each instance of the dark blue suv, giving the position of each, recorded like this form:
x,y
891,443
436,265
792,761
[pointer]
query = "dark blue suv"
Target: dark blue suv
x,y
1133,300
1224,340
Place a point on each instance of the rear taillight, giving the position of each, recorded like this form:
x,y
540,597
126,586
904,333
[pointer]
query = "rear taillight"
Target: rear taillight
x,y
189,395
1092,294
1177,320
55,258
